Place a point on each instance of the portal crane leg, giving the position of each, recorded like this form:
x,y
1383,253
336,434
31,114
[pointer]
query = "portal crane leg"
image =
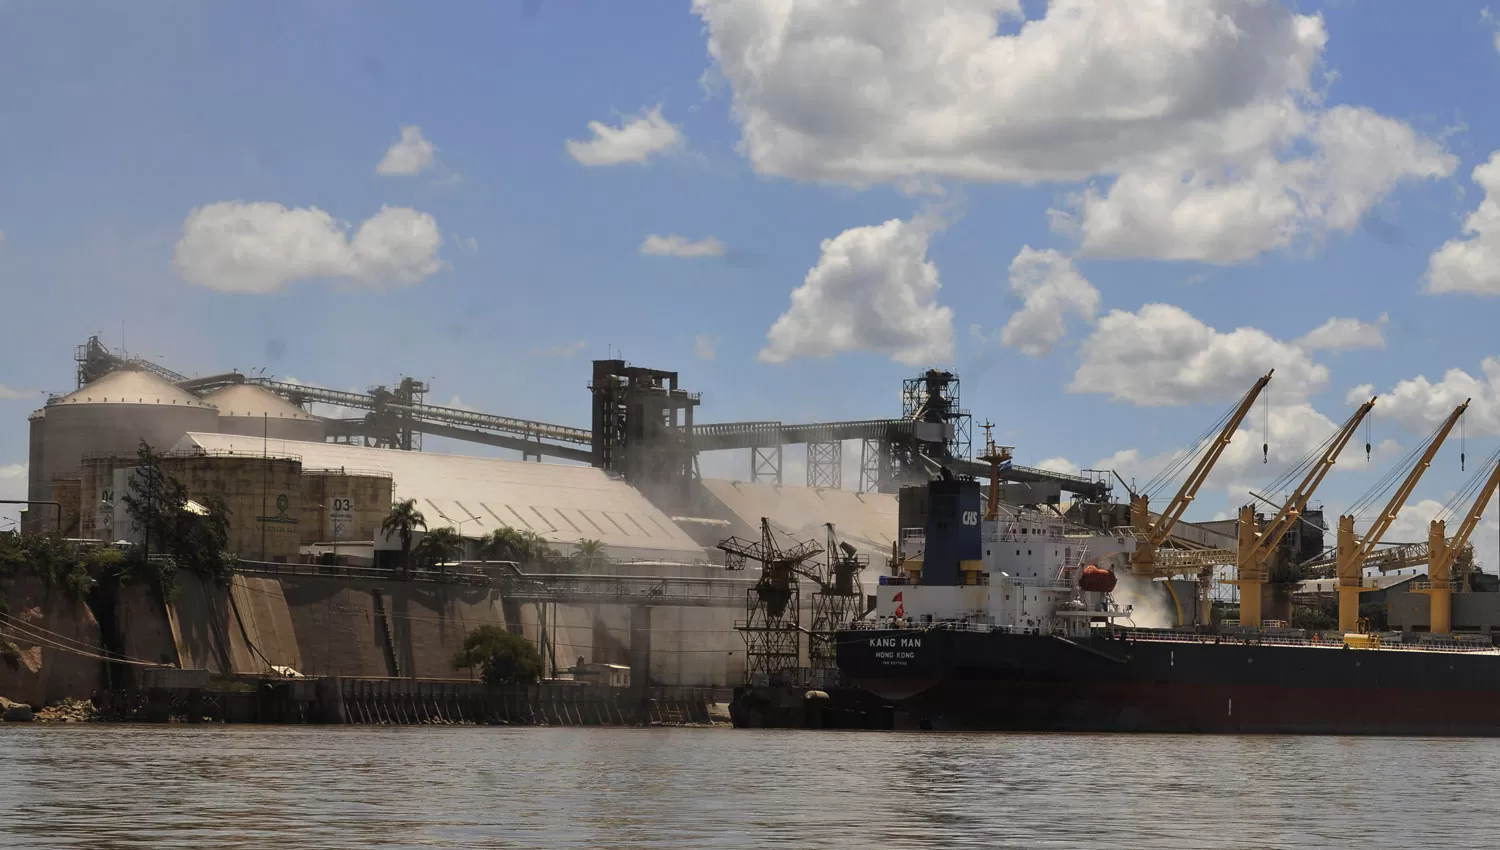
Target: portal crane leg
x,y
1250,578
1440,579
1350,573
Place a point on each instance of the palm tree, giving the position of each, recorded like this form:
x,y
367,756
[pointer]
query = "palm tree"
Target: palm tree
x,y
509,544
403,519
438,546
589,551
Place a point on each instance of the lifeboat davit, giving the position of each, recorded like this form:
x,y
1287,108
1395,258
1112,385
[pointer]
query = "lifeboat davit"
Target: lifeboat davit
x,y
1097,580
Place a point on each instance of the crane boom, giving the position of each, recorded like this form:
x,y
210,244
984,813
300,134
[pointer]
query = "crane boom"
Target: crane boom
x,y
1144,557
1441,552
1256,547
1292,510
1352,555
1476,513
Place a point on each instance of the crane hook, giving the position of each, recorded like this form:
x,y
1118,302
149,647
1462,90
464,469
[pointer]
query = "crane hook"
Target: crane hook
x,y
1265,452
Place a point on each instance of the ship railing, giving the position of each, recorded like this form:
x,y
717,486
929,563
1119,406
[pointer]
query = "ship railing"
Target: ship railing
x,y
1039,583
915,625
1454,585
1321,641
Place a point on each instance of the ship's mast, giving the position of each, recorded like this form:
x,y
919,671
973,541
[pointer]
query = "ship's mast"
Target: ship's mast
x,y
995,456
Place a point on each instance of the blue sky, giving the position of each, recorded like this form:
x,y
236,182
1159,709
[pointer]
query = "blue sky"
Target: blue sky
x,y
1255,166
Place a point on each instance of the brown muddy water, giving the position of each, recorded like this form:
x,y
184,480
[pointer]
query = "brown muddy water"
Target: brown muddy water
x,y
99,786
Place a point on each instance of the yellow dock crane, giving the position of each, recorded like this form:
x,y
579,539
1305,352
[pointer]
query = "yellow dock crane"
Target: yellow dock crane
x,y
1256,545
1441,550
1352,553
1151,536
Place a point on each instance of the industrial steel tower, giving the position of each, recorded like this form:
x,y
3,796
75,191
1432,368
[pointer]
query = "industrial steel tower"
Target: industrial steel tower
x,y
772,630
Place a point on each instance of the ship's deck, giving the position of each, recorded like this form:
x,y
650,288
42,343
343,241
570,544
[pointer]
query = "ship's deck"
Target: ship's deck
x,y
1307,640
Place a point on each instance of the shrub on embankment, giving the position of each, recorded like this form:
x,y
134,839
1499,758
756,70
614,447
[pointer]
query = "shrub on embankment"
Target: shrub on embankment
x,y
502,658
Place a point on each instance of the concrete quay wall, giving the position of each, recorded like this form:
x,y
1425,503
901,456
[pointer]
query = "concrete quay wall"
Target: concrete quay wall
x,y
37,635
354,626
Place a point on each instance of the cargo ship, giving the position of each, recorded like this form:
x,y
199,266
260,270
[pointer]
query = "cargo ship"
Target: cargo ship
x,y
1007,620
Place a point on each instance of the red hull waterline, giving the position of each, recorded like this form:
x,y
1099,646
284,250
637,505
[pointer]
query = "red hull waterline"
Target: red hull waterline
x,y
1197,708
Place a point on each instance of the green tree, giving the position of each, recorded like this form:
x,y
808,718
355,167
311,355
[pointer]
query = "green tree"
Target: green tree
x,y
509,544
403,519
192,537
500,657
437,546
590,552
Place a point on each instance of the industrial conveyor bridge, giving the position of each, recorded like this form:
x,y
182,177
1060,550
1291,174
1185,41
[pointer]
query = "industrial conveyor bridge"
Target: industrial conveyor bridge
x,y
396,418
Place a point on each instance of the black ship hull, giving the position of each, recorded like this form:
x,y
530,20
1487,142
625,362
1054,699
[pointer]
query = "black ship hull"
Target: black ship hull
x,y
963,680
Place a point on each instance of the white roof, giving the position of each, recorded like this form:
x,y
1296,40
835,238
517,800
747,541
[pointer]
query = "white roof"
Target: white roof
x,y
130,386
563,504
866,521
243,400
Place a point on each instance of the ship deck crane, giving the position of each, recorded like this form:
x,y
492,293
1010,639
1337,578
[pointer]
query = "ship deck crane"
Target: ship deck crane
x,y
1352,553
1151,536
1441,550
1256,545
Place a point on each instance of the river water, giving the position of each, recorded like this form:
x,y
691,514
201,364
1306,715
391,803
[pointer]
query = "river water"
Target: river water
x,y
100,786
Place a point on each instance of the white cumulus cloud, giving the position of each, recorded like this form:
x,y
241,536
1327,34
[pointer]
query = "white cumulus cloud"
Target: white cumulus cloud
x,y
636,139
1338,334
1470,264
1051,290
673,245
411,154
1419,404
1295,430
873,289
1207,111
1163,355
1058,464
1236,209
234,246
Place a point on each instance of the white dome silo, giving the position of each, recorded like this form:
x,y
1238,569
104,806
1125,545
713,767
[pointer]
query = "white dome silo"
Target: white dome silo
x,y
111,416
256,411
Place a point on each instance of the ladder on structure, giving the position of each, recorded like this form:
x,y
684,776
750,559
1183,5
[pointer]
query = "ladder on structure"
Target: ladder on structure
x,y
383,635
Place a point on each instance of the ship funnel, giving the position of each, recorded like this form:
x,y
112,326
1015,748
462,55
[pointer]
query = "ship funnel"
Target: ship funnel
x,y
954,548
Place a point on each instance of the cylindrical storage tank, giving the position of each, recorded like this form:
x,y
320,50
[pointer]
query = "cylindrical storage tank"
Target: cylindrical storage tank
x,y
113,415
255,411
343,506
97,497
262,494
34,479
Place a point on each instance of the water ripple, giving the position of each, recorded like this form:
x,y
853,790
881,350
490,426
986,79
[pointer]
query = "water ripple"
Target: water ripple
x,y
308,787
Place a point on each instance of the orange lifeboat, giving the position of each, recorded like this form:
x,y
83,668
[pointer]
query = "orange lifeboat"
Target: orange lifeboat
x,y
1097,580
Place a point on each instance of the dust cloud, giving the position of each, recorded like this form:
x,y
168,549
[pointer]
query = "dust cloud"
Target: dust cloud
x,y
1153,608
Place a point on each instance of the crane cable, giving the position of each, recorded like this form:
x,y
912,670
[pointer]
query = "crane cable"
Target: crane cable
x,y
1397,472
1184,457
1470,490
1265,429
1303,464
